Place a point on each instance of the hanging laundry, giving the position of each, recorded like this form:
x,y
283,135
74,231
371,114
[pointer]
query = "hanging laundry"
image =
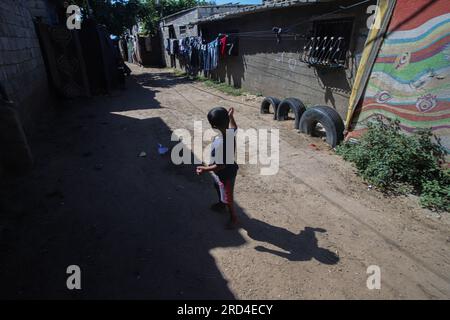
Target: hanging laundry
x,y
181,47
197,55
173,46
204,57
223,45
148,44
176,46
194,51
213,54
200,53
167,44
232,45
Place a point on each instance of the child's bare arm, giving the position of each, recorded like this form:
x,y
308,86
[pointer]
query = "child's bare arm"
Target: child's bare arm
x,y
233,124
213,168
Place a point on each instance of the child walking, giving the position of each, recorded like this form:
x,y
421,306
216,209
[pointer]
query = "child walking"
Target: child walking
x,y
223,166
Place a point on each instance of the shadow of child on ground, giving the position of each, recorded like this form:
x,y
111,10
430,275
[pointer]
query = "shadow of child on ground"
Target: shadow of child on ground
x,y
296,247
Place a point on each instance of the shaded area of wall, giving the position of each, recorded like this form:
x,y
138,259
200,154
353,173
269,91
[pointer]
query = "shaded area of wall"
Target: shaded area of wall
x,y
149,51
22,69
65,64
43,10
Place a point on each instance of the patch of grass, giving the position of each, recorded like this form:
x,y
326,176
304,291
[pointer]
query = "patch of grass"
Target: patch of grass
x,y
201,78
179,73
224,87
397,163
221,86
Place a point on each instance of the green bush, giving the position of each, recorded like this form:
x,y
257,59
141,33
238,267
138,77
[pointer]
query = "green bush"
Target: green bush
x,y
436,195
397,163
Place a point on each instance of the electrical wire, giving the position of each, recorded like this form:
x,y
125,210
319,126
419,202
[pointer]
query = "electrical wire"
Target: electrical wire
x,y
288,29
341,8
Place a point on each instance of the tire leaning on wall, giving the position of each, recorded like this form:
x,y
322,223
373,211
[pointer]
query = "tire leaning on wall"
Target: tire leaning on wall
x,y
328,118
293,104
270,101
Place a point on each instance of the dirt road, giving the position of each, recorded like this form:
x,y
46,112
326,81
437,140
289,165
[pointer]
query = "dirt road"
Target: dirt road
x,y
140,227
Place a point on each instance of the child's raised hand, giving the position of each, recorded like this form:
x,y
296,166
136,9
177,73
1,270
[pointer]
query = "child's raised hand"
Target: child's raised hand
x,y
231,112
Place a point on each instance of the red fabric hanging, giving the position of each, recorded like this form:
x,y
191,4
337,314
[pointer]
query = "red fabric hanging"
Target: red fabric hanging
x,y
223,45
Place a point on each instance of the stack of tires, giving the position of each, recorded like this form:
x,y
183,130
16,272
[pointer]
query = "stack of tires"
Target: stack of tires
x,y
307,119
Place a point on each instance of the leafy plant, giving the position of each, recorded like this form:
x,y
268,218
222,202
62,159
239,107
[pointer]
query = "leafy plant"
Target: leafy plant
x,y
436,195
397,163
116,15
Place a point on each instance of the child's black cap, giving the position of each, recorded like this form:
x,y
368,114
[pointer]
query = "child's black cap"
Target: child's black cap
x,y
219,118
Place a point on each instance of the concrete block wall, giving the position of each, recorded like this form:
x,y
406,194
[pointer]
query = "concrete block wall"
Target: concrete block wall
x,y
39,8
22,69
177,21
266,67
186,18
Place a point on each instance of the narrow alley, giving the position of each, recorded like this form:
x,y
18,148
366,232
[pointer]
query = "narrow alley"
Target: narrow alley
x,y
102,198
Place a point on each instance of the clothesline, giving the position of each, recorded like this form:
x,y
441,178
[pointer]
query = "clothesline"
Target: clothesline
x,y
302,21
199,55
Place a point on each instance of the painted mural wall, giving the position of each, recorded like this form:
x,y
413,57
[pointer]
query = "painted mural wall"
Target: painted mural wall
x,y
410,80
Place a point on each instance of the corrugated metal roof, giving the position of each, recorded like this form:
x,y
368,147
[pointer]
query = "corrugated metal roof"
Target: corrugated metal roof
x,y
268,5
198,7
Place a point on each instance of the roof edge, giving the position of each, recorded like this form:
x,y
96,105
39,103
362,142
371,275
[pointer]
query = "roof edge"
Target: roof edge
x,y
199,7
267,6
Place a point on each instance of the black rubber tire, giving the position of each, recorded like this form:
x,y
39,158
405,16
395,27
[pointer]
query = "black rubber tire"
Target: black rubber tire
x,y
270,101
293,104
328,118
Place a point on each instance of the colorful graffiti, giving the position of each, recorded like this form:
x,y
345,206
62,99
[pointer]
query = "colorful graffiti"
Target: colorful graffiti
x,y
410,80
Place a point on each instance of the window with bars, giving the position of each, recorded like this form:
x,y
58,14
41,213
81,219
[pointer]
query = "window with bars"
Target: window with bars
x,y
328,44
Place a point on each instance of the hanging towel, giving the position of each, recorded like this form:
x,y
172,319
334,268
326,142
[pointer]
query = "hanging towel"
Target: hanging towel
x,y
148,44
171,46
223,46
213,54
168,45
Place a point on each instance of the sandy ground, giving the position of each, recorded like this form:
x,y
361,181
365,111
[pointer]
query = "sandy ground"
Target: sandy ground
x,y
140,227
